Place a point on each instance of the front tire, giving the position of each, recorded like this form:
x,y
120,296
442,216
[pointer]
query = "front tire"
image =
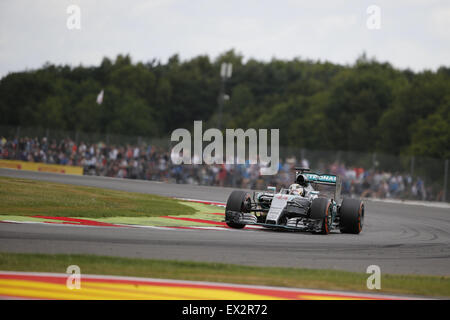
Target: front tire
x,y
238,201
321,210
352,216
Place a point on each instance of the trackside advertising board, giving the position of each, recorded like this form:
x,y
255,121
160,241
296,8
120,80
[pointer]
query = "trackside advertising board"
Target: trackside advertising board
x,y
42,167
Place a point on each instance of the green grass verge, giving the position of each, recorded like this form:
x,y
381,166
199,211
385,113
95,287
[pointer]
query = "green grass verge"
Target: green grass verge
x,y
24,197
218,272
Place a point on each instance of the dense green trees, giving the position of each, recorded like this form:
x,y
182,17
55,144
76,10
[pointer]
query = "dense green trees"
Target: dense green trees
x,y
368,106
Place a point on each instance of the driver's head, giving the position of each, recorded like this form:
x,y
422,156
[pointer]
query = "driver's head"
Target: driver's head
x,y
296,189
302,180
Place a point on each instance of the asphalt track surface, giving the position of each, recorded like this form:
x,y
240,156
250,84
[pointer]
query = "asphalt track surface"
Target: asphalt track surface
x,y
399,238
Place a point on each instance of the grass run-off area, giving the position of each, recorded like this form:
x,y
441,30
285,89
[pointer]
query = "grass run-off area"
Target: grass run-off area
x,y
23,197
217,272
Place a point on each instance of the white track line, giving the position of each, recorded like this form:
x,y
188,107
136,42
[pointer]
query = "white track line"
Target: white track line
x,y
431,204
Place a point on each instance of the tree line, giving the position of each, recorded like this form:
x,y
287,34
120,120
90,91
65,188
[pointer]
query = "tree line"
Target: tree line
x,y
369,106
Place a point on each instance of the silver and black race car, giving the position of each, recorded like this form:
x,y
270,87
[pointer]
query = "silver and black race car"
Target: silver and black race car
x,y
311,204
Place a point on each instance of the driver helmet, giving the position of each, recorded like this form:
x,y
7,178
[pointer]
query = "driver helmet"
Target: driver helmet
x,y
296,189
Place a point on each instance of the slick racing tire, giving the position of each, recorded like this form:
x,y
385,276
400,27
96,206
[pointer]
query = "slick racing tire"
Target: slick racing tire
x,y
321,210
238,201
352,216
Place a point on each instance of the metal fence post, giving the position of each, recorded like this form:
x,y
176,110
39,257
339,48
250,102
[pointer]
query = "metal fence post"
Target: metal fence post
x,y
444,197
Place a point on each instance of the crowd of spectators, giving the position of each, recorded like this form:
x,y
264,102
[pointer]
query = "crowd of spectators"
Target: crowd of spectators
x,y
149,162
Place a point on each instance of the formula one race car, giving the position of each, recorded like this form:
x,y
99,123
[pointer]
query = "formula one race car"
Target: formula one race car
x,y
310,204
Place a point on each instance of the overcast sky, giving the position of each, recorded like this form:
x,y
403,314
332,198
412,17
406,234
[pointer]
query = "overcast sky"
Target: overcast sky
x,y
414,34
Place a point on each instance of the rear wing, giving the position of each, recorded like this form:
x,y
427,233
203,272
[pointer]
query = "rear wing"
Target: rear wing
x,y
323,179
328,179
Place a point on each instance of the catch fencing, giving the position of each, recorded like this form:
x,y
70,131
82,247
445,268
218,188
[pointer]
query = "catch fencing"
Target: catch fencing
x,y
363,174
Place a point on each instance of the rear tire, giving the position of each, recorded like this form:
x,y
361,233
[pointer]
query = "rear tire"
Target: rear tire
x,y
321,210
352,216
237,201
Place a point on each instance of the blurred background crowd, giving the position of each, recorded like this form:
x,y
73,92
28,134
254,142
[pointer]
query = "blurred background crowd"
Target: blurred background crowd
x,y
150,162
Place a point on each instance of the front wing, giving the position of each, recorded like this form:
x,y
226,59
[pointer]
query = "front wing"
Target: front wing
x,y
251,219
